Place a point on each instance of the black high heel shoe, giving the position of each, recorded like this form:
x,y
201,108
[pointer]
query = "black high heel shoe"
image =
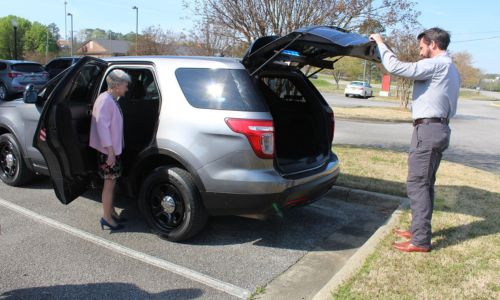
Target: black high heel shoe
x,y
119,219
105,223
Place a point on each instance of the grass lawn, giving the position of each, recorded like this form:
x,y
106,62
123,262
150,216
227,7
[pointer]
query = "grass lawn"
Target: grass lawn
x,y
465,260
325,85
472,95
393,114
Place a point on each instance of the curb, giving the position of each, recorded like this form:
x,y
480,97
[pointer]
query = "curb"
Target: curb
x,y
495,104
356,261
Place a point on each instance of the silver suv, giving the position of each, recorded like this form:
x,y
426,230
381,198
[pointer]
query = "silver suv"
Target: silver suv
x,y
203,135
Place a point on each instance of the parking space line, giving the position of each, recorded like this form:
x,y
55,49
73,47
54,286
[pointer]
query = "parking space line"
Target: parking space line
x,y
151,260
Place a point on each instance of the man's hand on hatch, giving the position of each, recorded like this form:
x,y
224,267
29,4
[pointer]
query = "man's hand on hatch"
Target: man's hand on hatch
x,y
376,37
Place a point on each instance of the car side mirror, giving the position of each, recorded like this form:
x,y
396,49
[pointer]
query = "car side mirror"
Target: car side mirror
x,y
30,95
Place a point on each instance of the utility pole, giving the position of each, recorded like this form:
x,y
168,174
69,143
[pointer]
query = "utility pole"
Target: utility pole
x,y
14,24
65,22
71,45
136,28
368,29
47,47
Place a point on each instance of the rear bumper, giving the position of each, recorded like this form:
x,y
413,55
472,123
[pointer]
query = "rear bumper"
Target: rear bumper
x,y
294,193
20,87
355,92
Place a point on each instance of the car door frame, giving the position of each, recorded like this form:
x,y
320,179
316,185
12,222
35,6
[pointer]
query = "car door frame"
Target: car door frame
x,y
67,184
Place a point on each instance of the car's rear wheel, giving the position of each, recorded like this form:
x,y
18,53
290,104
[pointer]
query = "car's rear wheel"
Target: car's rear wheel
x,y
347,95
171,204
3,92
13,169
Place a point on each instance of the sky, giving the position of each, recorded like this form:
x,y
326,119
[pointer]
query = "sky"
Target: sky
x,y
474,25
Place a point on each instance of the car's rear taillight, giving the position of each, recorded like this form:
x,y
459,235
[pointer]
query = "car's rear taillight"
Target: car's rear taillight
x,y
260,134
13,75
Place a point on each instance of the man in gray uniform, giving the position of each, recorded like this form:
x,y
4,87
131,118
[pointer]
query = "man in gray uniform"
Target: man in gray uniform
x,y
435,94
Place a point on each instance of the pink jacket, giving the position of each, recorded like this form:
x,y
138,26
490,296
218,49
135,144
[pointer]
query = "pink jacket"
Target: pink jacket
x,y
106,127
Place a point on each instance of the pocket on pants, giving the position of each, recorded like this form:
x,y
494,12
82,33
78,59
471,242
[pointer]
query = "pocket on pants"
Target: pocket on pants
x,y
419,160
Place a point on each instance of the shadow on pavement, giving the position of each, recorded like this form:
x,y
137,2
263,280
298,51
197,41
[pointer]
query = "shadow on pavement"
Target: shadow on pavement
x,y
98,291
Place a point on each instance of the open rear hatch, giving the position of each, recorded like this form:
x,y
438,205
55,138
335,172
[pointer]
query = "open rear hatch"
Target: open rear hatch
x,y
313,46
303,120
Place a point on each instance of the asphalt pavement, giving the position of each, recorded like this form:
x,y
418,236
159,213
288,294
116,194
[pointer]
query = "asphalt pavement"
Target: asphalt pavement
x,y
59,251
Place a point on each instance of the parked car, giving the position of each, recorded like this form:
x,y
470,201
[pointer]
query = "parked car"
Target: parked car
x,y
358,88
203,135
15,75
59,64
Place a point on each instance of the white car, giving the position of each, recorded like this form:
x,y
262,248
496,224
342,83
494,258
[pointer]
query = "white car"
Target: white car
x,y
358,88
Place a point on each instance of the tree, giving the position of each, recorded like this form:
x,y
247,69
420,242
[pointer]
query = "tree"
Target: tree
x,y
251,19
55,31
155,41
349,68
214,40
35,39
7,36
469,75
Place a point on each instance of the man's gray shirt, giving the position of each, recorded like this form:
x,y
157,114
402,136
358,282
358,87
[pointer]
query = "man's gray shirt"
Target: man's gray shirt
x,y
436,86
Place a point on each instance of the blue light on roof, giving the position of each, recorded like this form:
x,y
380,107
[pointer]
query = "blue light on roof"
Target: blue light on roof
x,y
291,52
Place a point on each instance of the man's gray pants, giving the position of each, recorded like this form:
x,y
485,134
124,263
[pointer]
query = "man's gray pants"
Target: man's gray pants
x,y
427,145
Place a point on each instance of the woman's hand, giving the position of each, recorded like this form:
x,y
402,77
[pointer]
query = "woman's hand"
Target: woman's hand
x,y
111,160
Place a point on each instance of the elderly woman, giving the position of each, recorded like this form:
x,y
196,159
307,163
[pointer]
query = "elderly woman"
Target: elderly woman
x,y
106,136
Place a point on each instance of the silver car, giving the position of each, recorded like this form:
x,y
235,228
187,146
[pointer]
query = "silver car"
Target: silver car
x,y
203,135
358,88
15,75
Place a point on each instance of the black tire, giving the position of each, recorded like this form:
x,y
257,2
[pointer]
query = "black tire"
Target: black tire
x,y
171,204
347,95
4,94
13,169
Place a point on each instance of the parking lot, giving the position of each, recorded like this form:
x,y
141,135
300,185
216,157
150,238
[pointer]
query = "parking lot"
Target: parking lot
x,y
57,251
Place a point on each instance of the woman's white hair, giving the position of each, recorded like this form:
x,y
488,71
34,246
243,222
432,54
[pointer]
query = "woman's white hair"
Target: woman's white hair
x,y
117,77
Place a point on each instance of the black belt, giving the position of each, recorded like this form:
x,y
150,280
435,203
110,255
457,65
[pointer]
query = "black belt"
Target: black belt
x,y
431,120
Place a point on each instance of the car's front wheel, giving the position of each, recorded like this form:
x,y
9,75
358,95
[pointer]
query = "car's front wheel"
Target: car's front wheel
x,y
171,204
13,169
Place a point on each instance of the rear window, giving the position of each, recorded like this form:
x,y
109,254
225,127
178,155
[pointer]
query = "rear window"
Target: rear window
x,y
357,83
27,68
60,64
223,89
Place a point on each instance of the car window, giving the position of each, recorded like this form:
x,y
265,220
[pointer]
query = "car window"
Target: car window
x,y
142,87
357,83
3,66
222,89
47,89
284,89
84,84
28,68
